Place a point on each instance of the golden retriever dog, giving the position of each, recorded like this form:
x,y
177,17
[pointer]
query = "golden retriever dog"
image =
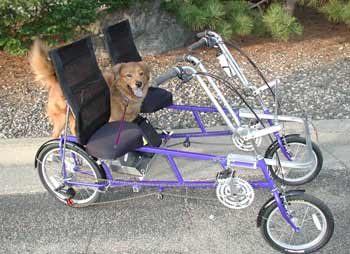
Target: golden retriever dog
x,y
128,89
128,83
44,72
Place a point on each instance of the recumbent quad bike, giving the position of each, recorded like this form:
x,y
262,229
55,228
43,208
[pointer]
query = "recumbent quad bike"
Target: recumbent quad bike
x,y
76,169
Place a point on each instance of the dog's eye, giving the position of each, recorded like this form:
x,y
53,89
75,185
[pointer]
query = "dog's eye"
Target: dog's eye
x,y
129,75
141,73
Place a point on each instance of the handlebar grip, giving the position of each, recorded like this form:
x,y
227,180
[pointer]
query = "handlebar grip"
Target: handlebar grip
x,y
202,42
169,74
201,34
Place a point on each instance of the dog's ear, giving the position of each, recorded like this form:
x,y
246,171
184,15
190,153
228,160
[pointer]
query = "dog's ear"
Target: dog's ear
x,y
146,70
116,69
109,77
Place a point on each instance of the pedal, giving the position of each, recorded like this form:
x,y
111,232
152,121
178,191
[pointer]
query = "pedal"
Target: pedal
x,y
167,133
222,176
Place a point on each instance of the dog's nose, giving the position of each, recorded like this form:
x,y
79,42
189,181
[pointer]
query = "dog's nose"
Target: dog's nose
x,y
138,84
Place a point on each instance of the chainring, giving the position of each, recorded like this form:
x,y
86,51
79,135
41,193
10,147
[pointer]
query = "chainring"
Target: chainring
x,y
245,146
235,193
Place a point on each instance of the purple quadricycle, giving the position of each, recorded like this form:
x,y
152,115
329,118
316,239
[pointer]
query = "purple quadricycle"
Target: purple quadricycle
x,y
77,169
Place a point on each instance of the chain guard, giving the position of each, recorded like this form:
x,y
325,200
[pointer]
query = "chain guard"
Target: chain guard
x,y
235,193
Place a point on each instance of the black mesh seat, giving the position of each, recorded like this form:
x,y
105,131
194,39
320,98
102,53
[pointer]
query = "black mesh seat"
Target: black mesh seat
x,y
88,96
120,43
122,49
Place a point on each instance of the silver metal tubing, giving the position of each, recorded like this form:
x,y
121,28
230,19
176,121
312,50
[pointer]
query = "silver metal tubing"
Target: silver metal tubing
x,y
239,158
245,113
262,88
308,138
233,64
216,104
221,96
290,164
234,67
211,97
252,133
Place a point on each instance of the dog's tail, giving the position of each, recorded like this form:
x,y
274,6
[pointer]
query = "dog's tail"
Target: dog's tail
x,y
41,65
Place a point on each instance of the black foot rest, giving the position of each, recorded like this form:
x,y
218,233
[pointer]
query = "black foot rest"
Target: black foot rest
x,y
149,133
156,99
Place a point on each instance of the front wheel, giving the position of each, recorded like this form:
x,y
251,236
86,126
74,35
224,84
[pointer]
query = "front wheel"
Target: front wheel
x,y
310,214
80,167
298,150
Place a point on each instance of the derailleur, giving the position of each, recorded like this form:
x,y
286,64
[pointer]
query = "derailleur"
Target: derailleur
x,y
68,193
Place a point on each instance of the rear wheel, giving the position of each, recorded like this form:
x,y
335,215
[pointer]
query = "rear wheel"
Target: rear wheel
x,y
297,148
80,167
310,214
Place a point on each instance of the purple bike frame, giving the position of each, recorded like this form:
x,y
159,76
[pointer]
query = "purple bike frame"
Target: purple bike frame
x,y
204,133
181,183
170,154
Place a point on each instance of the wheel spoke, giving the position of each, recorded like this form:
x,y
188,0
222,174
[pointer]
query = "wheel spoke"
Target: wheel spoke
x,y
78,168
308,237
297,148
307,210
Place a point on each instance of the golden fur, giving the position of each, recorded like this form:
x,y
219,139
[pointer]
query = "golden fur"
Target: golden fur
x,y
129,87
122,83
44,72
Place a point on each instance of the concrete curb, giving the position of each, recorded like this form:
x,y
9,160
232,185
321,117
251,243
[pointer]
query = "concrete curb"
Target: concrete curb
x,y
21,151
17,156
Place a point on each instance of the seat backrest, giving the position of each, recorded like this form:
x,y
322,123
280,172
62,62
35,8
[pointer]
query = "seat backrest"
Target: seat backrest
x,y
83,86
120,43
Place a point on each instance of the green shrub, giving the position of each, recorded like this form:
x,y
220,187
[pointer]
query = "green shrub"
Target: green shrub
x,y
227,17
280,24
333,10
337,11
259,28
231,18
199,15
346,14
240,16
54,20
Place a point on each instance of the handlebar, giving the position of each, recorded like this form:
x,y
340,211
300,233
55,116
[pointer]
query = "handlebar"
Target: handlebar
x,y
184,73
169,74
202,42
201,34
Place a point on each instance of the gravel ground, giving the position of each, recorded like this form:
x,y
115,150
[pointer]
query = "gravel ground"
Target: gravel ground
x,y
323,91
314,70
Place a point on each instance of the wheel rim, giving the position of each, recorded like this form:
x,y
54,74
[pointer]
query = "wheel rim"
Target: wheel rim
x,y
78,169
308,217
299,152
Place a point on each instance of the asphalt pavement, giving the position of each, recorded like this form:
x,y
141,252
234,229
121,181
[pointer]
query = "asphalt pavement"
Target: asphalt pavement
x,y
184,221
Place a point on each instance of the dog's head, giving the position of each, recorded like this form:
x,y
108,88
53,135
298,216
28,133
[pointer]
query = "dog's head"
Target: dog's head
x,y
132,79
